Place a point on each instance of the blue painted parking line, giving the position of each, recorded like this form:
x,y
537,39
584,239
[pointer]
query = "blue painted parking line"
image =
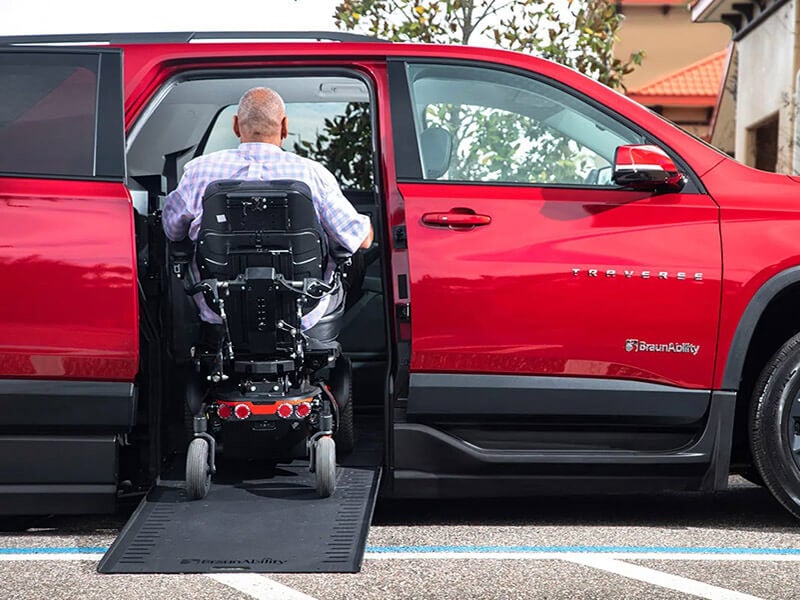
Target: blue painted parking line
x,y
478,552
732,550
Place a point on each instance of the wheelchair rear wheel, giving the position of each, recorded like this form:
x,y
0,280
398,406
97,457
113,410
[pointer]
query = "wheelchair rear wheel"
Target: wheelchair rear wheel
x,y
345,436
325,466
198,473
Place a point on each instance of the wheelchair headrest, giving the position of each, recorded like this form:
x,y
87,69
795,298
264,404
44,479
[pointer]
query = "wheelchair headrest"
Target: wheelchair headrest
x,y
435,145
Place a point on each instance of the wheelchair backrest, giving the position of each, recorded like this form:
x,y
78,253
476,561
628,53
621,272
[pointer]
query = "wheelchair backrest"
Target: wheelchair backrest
x,y
251,224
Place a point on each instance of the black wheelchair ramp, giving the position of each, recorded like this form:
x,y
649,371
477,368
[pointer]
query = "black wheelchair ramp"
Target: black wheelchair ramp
x,y
250,522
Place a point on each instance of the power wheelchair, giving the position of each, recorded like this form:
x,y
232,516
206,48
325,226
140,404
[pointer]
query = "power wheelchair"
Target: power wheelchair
x,y
260,385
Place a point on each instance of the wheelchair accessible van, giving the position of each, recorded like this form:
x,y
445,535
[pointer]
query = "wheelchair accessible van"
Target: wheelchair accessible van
x,y
260,386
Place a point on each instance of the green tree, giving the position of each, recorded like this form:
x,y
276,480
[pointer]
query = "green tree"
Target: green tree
x,y
580,35
494,145
345,147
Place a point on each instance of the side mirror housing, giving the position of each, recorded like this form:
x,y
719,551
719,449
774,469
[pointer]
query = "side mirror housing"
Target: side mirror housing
x,y
646,167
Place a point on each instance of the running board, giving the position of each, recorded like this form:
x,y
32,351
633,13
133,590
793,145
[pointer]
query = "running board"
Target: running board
x,y
269,525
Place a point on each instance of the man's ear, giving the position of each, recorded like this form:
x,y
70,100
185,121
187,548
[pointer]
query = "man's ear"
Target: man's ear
x,y
236,126
284,128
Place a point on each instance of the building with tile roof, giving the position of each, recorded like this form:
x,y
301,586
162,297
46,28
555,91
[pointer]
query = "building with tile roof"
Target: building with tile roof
x,y
688,95
757,110
664,30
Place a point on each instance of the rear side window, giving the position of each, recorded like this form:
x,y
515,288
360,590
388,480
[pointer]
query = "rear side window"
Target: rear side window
x,y
49,114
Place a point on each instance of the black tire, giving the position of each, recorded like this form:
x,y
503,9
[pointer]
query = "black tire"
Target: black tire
x,y
325,466
775,425
345,436
198,473
341,378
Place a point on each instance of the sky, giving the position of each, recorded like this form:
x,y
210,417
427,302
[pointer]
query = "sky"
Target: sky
x,y
107,16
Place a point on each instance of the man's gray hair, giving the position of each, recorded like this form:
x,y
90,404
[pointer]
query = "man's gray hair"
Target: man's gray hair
x,y
261,111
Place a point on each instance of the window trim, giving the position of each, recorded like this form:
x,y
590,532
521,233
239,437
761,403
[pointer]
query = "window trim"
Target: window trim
x,y
410,169
108,159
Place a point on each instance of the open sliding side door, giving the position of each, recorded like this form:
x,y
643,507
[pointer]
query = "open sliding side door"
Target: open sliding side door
x,y
69,341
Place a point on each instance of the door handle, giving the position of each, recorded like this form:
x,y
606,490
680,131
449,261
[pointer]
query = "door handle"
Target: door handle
x,y
456,219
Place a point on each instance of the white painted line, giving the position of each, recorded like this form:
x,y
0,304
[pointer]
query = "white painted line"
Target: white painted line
x,y
259,587
683,556
45,556
661,579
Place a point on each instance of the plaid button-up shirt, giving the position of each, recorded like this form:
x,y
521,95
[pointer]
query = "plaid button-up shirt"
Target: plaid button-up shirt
x,y
183,209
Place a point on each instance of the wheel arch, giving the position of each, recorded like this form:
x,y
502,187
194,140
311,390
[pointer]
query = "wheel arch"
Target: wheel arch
x,y
772,316
763,308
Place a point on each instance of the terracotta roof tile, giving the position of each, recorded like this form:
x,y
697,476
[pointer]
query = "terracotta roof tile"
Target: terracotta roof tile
x,y
700,80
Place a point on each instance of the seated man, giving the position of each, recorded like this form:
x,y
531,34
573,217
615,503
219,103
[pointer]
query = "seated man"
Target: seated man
x,y
261,126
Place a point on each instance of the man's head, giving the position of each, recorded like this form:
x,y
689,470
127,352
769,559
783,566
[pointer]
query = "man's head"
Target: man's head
x,y
261,117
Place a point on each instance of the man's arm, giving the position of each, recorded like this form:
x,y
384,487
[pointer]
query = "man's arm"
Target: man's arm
x,y
368,240
339,218
176,218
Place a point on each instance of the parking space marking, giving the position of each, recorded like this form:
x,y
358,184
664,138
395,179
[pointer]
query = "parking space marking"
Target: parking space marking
x,y
259,587
688,557
53,553
606,558
687,553
661,579
51,556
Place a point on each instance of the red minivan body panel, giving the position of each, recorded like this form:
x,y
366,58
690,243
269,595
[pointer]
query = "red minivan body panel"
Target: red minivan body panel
x,y
760,224
576,282
69,308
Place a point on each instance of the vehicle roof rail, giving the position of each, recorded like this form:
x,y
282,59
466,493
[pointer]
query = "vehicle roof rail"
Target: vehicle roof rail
x,y
177,37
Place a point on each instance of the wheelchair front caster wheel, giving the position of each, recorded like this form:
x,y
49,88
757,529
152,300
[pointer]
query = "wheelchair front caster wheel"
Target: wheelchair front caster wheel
x,y
198,473
325,466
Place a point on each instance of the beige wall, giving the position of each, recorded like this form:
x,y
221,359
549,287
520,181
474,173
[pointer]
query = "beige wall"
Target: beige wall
x,y
690,118
671,41
767,65
724,134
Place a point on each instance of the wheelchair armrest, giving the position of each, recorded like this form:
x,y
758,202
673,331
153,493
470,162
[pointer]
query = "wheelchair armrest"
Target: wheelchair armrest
x,y
180,253
340,255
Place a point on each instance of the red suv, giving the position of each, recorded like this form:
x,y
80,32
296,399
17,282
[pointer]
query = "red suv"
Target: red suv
x,y
567,292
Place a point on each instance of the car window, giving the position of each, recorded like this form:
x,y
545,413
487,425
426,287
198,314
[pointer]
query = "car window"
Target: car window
x,y
330,121
476,124
47,117
336,134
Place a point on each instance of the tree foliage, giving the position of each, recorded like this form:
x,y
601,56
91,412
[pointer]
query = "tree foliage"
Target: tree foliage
x,y
488,144
345,147
580,35
495,145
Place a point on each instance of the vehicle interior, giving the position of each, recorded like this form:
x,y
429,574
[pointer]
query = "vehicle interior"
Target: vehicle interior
x,y
331,121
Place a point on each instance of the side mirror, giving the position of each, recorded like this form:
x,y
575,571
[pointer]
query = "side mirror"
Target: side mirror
x,y
646,167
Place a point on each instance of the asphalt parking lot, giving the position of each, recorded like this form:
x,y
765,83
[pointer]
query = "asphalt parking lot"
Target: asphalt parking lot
x,y
738,544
